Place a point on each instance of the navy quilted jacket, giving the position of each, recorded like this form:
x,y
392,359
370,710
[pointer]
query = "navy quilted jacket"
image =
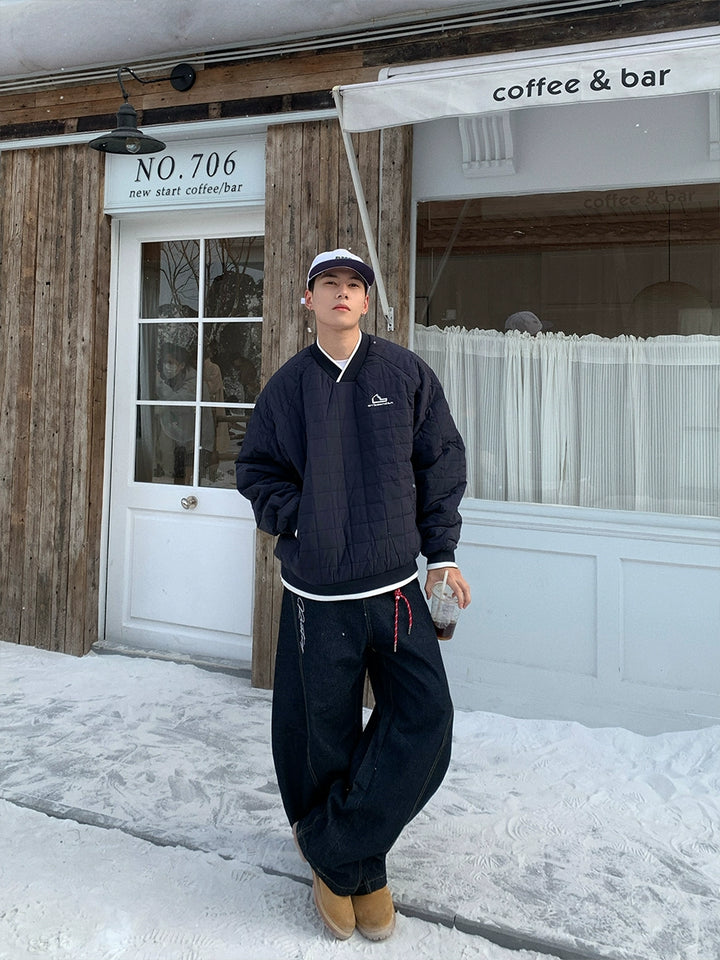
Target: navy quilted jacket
x,y
355,476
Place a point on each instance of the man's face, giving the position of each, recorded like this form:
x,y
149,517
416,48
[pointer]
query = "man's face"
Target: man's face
x,y
338,299
171,367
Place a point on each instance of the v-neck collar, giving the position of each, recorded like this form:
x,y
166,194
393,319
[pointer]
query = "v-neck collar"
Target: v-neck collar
x,y
353,367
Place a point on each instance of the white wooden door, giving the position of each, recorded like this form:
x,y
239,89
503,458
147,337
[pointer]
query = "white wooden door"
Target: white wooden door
x,y
181,539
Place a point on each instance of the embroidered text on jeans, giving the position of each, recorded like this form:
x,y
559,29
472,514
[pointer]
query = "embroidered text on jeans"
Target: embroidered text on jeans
x,y
301,622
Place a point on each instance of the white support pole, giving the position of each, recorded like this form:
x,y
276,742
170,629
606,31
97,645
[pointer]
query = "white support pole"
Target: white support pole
x,y
388,311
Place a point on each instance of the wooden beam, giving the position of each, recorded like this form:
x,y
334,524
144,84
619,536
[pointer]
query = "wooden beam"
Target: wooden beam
x,y
311,206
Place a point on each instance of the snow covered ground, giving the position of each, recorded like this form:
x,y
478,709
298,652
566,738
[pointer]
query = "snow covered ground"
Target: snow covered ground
x,y
140,820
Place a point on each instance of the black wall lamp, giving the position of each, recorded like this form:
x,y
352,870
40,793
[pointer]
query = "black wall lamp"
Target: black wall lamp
x,y
126,138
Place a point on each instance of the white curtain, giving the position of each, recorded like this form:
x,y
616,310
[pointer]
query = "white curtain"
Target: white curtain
x,y
625,423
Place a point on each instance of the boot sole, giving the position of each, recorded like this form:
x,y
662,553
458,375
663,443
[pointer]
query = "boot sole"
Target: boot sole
x,y
376,935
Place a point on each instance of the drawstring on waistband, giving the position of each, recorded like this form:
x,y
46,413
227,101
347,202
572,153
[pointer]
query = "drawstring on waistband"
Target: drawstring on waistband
x,y
398,596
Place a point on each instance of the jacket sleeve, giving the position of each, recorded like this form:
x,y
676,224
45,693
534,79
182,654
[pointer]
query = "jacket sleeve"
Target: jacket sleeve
x,y
266,475
440,473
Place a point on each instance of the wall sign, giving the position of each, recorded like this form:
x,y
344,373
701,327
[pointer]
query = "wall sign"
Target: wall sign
x,y
188,174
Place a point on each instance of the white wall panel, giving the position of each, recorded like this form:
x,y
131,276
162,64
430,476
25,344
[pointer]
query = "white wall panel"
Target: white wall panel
x,y
671,625
538,609
609,618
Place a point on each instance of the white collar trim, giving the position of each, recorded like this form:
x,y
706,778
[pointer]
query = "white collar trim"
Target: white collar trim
x,y
343,364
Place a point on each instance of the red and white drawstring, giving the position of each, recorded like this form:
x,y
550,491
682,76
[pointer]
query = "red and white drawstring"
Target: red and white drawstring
x,y
398,596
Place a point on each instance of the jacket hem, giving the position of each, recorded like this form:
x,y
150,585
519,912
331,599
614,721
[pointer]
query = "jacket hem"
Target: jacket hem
x,y
351,589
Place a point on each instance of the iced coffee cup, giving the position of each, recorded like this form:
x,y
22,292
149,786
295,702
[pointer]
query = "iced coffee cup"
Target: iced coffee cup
x,y
444,610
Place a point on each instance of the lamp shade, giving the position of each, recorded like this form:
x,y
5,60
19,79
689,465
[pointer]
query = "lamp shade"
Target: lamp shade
x,y
126,138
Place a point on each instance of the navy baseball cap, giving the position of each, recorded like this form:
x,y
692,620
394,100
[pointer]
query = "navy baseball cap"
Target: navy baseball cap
x,y
340,258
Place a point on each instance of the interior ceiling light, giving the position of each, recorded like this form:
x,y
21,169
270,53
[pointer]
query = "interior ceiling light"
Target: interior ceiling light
x,y
126,138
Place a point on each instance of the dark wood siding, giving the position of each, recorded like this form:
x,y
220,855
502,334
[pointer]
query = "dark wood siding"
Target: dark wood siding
x,y
54,282
311,206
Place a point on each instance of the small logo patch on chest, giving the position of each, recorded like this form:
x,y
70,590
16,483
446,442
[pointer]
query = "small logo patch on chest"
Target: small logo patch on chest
x,y
378,401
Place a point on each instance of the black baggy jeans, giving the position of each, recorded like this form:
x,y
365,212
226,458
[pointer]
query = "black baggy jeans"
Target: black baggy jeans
x,y
352,789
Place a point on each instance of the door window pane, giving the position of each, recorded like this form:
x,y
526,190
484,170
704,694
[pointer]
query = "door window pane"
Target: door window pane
x,y
226,428
167,361
165,444
170,279
231,375
234,277
232,352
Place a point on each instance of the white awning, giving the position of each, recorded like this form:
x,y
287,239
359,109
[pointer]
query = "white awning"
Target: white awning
x,y
641,67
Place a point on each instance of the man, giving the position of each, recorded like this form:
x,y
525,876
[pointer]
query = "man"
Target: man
x,y
352,459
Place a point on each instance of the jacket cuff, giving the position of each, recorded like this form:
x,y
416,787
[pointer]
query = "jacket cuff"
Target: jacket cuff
x,y
444,558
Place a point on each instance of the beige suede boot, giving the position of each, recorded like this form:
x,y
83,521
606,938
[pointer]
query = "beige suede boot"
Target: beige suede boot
x,y
337,912
374,914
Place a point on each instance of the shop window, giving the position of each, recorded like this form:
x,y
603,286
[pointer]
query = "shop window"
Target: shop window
x,y
615,402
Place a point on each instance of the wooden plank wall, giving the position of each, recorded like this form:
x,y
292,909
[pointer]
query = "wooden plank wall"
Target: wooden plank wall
x,y
311,206
54,284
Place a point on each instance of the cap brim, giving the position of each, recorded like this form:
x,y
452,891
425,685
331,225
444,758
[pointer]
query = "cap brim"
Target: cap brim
x,y
357,266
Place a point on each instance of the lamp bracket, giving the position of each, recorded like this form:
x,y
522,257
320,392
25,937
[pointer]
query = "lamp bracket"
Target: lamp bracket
x,y
182,78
